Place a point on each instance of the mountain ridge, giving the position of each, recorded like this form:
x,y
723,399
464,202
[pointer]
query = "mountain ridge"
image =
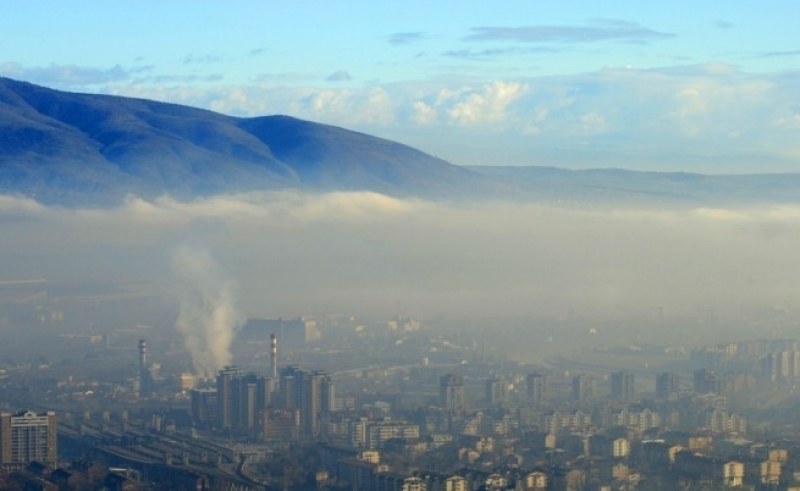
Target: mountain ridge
x,y
86,147
95,149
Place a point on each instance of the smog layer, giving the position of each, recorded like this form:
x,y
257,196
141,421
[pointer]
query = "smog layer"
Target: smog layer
x,y
292,252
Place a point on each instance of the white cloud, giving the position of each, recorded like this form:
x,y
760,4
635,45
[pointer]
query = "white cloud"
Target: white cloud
x,y
487,104
423,113
69,76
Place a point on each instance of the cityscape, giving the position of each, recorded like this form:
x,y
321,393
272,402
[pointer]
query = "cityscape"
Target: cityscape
x,y
422,407
268,245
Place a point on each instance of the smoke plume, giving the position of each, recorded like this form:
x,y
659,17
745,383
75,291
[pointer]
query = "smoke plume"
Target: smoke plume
x,y
208,317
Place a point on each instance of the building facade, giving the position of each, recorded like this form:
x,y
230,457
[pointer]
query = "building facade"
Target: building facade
x,y
451,393
28,436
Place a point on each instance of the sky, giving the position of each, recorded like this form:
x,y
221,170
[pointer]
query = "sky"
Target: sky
x,y
693,86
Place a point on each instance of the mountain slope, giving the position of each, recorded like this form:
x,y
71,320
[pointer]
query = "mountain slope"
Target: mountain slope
x,y
86,149
626,186
67,147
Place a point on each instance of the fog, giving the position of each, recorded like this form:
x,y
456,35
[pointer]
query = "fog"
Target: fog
x,y
291,253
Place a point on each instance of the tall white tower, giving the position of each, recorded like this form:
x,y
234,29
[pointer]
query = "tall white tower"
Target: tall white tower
x,y
273,356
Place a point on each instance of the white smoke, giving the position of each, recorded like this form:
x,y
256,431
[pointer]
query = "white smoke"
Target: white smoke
x,y
208,317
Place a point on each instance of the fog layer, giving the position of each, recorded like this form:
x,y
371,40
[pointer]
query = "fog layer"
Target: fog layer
x,y
292,253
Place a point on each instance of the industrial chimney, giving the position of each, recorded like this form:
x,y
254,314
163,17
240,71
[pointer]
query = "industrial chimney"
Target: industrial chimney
x,y
273,356
144,375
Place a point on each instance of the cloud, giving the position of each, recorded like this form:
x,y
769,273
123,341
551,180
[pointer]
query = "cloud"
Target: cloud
x,y
338,76
706,117
723,24
183,79
368,253
405,37
70,75
470,54
487,105
602,30
781,54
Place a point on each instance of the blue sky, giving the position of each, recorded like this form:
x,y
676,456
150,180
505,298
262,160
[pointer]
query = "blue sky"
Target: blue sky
x,y
697,86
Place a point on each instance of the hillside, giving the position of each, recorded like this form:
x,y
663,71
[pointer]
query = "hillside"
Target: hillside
x,y
88,149
67,147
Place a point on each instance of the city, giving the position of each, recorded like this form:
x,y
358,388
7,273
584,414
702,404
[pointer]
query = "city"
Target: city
x,y
399,246
417,409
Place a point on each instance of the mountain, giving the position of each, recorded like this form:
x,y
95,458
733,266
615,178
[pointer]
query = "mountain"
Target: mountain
x,y
88,149
621,186
85,148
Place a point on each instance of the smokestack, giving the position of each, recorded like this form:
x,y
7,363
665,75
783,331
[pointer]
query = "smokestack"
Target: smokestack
x,y
274,355
142,356
143,375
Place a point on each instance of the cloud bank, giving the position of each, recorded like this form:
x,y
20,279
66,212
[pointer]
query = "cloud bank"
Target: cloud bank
x,y
293,253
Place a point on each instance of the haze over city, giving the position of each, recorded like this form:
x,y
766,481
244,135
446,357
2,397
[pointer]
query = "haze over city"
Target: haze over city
x,y
324,245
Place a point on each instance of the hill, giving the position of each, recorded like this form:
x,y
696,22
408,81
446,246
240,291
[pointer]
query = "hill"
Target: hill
x,y
67,147
89,149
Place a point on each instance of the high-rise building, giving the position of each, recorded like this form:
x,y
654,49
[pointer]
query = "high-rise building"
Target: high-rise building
x,y
451,393
582,387
667,385
537,383
706,382
226,397
27,436
311,393
496,392
242,400
204,407
622,386
253,395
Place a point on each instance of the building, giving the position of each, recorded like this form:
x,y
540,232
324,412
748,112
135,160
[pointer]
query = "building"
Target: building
x,y
293,333
620,448
622,386
706,382
555,421
413,484
451,393
637,421
733,474
771,472
537,383
311,393
27,436
667,385
721,421
241,402
380,433
535,481
204,407
496,392
455,483
582,387
225,397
